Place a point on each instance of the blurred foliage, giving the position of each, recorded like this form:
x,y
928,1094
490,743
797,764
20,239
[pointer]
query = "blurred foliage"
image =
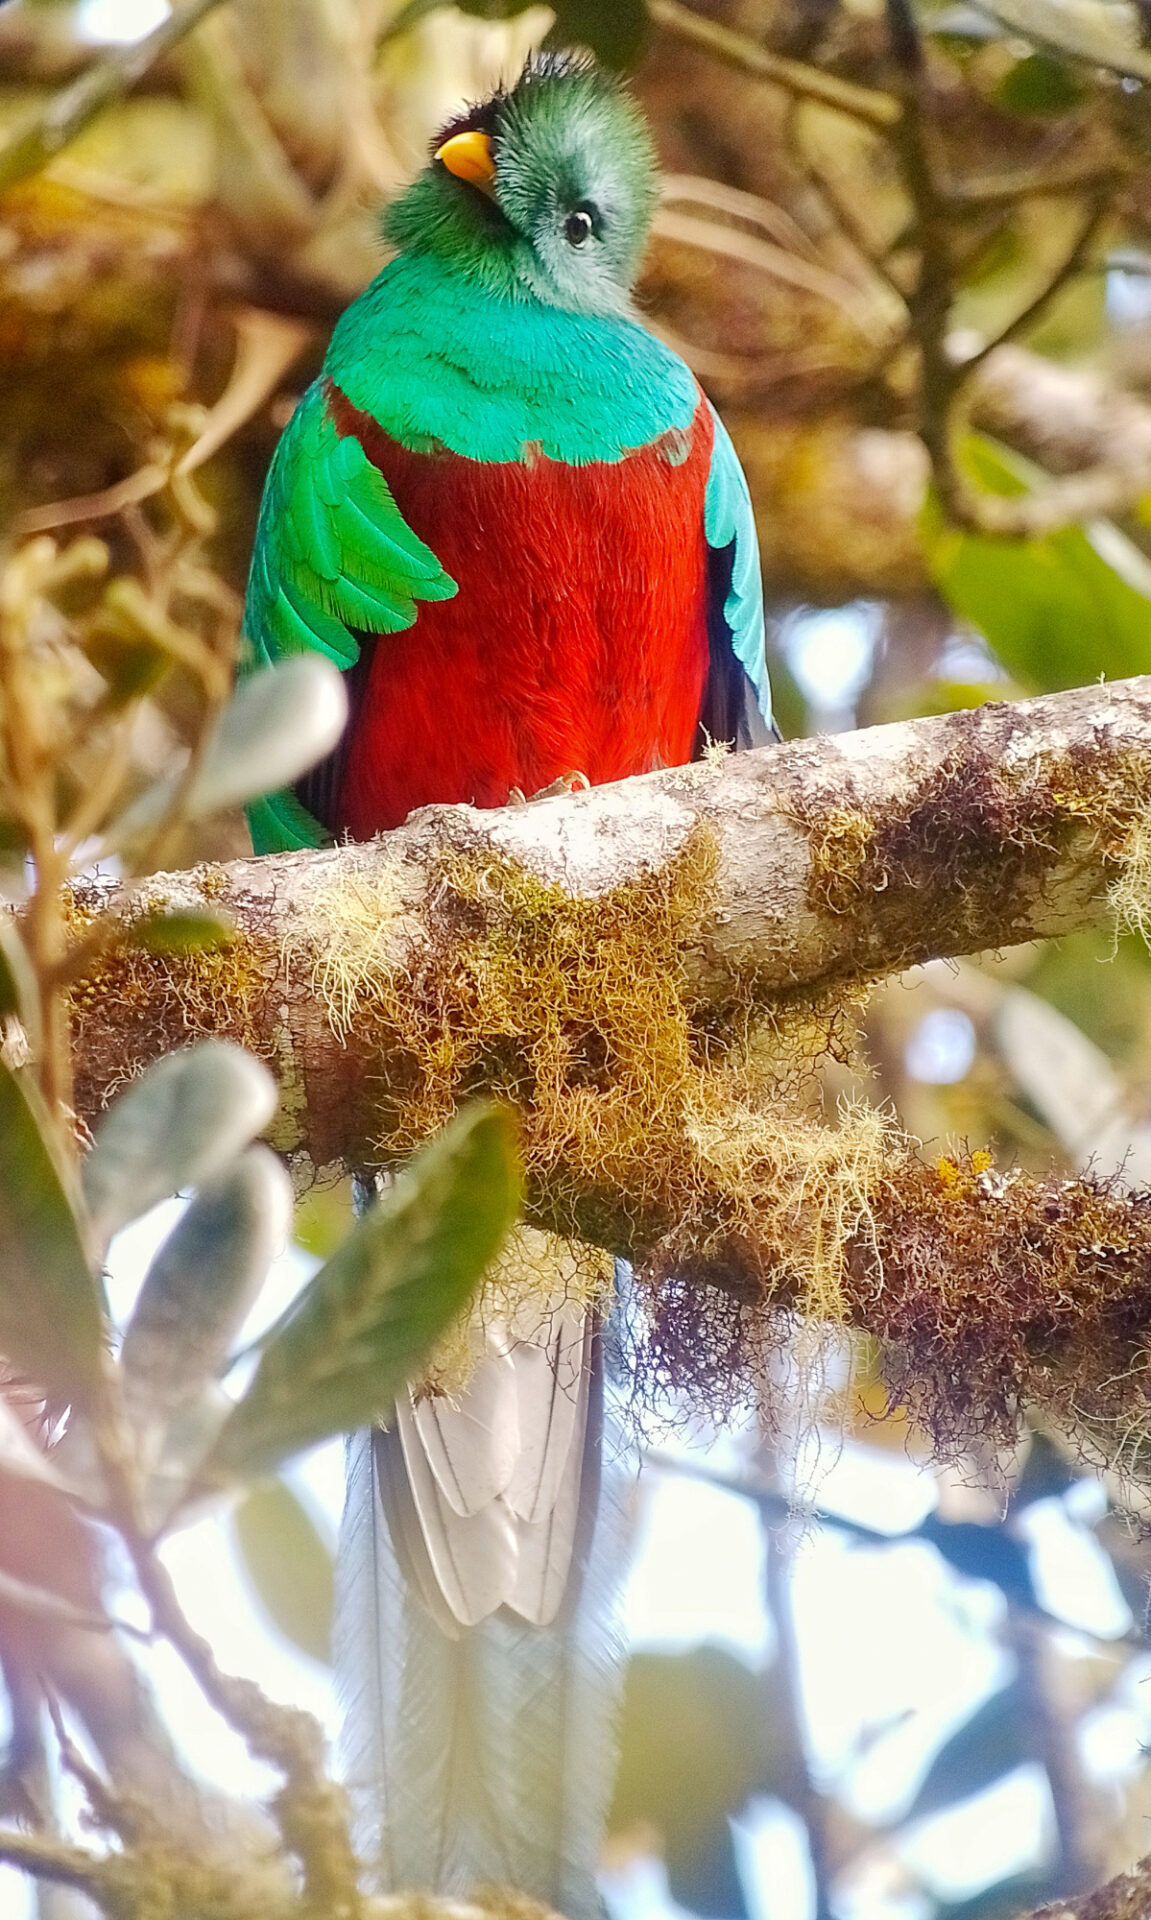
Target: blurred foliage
x,y
1056,611
289,1565
167,283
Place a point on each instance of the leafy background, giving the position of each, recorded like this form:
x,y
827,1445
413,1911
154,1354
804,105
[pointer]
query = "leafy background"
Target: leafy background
x,y
926,1693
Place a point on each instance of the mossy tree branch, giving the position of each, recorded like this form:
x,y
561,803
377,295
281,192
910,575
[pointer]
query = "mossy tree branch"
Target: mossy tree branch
x,y
1126,1897
648,972
837,861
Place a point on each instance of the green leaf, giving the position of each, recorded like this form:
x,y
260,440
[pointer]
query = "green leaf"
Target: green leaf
x,y
172,1457
362,1326
615,30
179,1124
51,1326
278,723
1039,84
201,1284
181,931
18,995
1060,611
288,1564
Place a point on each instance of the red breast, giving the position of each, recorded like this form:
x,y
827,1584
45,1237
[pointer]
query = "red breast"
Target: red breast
x,y
577,641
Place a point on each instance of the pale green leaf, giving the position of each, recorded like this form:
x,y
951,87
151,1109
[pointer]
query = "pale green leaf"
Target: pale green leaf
x,y
278,723
179,1124
366,1321
288,1564
201,1284
51,1326
18,995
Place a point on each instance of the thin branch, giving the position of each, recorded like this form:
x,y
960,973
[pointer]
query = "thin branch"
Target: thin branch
x,y
1030,183
1075,263
45,1605
942,379
761,1491
108,80
850,225
266,345
123,1817
309,1809
54,1860
929,304
875,109
141,485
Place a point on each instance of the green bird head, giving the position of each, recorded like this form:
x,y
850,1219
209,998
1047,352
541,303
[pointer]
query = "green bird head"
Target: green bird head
x,y
546,190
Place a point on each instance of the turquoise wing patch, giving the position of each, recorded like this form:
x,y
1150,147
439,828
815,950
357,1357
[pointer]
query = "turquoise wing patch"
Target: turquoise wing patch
x,y
333,553
333,558
728,518
282,824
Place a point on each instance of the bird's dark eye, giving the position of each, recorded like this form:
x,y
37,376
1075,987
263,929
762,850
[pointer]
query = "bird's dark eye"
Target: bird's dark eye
x,y
577,227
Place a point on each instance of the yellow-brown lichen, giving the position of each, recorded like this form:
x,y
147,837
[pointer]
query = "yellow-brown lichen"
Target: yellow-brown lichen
x,y
991,1291
748,1206
578,1011
572,1007
1129,895
136,1004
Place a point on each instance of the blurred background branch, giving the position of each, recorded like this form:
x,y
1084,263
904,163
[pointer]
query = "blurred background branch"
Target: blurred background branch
x,y
908,252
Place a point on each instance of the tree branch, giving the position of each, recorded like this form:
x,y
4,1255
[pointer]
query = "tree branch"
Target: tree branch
x,y
850,526
649,972
68,112
875,109
837,860
1126,1897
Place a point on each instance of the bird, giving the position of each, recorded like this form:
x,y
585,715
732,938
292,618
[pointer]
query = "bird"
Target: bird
x,y
507,511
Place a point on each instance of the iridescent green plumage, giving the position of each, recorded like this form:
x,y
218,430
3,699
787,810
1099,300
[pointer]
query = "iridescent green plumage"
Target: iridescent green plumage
x,y
489,337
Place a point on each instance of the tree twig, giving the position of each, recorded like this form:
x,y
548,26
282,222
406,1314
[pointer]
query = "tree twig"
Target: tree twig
x,y
309,1808
875,109
45,1605
54,1860
1075,263
75,106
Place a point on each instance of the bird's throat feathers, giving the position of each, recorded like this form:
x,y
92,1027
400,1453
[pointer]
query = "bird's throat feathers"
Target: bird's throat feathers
x,y
441,360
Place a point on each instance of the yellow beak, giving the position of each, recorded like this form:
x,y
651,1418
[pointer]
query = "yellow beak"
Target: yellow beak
x,y
469,157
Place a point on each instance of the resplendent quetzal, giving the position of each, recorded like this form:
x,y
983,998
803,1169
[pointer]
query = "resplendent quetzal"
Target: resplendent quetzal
x,y
510,514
